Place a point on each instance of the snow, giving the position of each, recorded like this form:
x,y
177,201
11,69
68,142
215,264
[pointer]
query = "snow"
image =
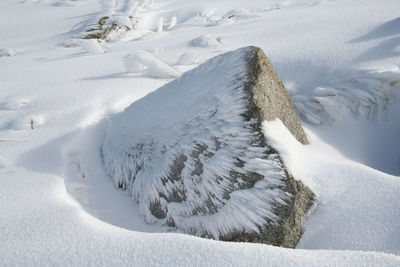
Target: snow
x,y
148,64
188,59
206,41
9,52
364,218
366,95
51,215
93,46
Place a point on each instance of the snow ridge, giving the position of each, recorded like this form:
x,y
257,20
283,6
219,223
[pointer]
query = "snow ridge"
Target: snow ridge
x,y
175,161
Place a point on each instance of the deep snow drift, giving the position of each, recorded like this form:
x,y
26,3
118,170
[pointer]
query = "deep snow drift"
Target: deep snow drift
x,y
57,205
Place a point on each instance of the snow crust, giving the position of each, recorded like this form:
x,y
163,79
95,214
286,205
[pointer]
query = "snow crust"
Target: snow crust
x,y
57,205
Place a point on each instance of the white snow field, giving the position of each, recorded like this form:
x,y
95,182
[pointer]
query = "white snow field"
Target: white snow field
x,y
339,59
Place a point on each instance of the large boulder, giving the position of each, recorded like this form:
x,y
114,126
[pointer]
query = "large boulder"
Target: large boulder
x,y
193,155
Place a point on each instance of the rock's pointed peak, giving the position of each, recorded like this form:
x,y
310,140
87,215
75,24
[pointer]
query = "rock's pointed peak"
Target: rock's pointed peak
x,y
269,94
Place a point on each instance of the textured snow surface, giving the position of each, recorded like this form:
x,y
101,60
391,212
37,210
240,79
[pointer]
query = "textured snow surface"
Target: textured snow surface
x,y
197,119
57,205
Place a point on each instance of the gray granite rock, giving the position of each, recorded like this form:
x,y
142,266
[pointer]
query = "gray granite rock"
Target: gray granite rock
x,y
268,97
193,155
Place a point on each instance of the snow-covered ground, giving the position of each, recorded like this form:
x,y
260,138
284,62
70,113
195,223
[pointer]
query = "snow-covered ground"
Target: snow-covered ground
x,y
339,59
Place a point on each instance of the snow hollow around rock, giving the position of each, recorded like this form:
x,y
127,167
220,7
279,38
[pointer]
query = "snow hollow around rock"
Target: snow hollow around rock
x,y
193,156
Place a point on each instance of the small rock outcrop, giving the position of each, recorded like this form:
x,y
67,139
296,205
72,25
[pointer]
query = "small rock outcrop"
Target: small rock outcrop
x,y
193,155
110,28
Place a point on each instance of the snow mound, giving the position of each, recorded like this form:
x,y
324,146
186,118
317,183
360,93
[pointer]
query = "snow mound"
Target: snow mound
x,y
193,156
148,64
206,41
11,52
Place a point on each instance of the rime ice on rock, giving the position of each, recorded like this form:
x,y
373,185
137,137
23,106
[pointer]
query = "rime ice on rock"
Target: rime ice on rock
x,y
193,156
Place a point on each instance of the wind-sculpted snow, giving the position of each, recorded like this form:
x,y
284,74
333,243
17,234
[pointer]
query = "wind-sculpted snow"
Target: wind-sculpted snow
x,y
366,95
193,156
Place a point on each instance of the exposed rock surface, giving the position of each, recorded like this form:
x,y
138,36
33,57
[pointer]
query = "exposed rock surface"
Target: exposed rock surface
x,y
269,98
110,28
193,156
